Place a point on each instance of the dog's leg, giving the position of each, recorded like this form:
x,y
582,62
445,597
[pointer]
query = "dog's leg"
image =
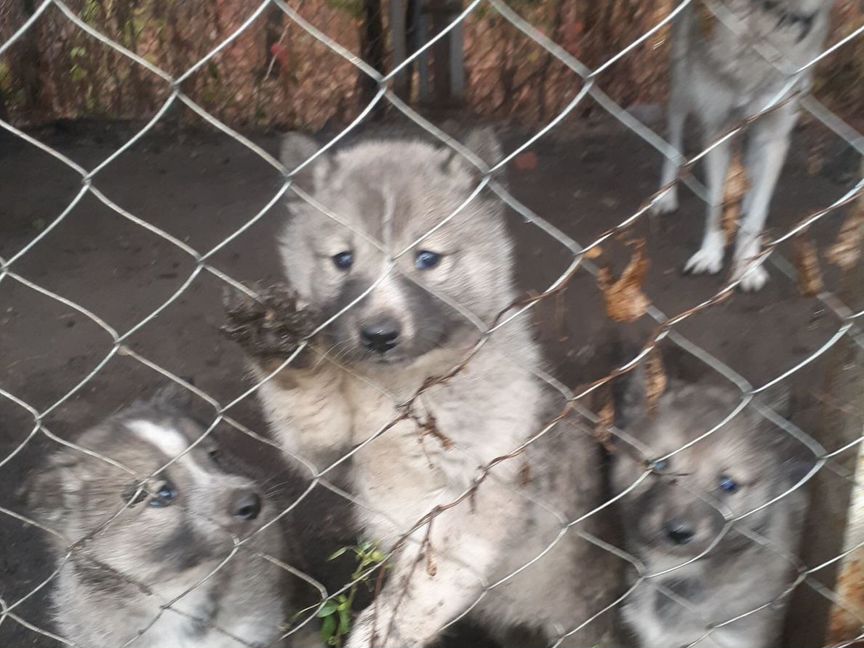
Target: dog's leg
x,y
302,401
709,258
307,412
677,116
766,153
434,579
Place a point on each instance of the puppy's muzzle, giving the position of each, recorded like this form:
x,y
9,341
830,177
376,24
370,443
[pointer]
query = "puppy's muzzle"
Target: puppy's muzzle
x,y
679,532
381,335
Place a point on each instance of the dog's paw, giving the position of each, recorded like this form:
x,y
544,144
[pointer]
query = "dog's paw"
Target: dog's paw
x,y
667,203
271,328
708,260
753,279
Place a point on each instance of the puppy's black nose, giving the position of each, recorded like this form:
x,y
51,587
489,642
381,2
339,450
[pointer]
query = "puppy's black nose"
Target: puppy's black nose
x,y
246,505
679,532
381,336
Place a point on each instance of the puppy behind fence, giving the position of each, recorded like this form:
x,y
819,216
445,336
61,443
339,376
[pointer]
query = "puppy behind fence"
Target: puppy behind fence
x,y
91,180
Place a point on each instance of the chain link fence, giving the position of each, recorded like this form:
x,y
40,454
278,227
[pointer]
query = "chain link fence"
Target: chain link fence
x,y
196,263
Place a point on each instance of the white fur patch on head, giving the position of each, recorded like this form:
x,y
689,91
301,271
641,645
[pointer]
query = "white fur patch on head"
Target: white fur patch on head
x,y
168,440
171,443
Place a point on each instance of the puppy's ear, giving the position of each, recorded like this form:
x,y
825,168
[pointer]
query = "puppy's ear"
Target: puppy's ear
x,y
295,150
50,492
780,399
171,396
483,143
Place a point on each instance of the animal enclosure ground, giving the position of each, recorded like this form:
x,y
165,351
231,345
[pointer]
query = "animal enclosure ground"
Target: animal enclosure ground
x,y
200,188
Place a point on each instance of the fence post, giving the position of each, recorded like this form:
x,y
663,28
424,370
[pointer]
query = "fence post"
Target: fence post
x,y
423,60
447,57
399,42
457,63
372,51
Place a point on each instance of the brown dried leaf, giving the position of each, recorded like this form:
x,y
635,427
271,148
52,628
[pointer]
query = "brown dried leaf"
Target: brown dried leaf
x,y
625,301
662,35
807,262
733,197
594,252
603,429
655,380
846,251
527,161
816,158
707,20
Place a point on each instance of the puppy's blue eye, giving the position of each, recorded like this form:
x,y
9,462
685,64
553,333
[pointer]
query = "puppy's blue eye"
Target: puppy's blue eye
x,y
660,465
727,484
164,496
426,260
343,260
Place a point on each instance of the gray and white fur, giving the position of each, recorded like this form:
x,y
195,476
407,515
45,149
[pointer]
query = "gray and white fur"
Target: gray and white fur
x,y
673,518
176,532
723,77
418,275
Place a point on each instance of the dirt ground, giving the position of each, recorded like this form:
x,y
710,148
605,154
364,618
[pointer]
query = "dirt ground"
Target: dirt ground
x,y
201,187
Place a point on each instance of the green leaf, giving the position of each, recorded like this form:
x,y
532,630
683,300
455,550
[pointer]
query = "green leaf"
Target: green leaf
x,y
327,609
338,552
328,629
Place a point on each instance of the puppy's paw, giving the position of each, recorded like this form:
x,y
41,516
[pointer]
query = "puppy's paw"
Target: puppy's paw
x,y
272,328
708,260
667,203
753,279
373,629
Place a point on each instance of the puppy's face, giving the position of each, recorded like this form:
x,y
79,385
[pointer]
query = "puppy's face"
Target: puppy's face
x,y
394,248
682,508
183,518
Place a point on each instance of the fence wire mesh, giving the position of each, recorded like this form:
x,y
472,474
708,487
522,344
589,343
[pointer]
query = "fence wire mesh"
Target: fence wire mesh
x,y
587,84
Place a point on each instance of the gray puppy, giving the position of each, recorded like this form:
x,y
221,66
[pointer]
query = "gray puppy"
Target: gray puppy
x,y
174,533
674,517
413,272
720,74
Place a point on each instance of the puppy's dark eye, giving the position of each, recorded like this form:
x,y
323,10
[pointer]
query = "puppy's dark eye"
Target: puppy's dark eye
x,y
660,465
426,260
164,496
133,490
343,260
727,484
